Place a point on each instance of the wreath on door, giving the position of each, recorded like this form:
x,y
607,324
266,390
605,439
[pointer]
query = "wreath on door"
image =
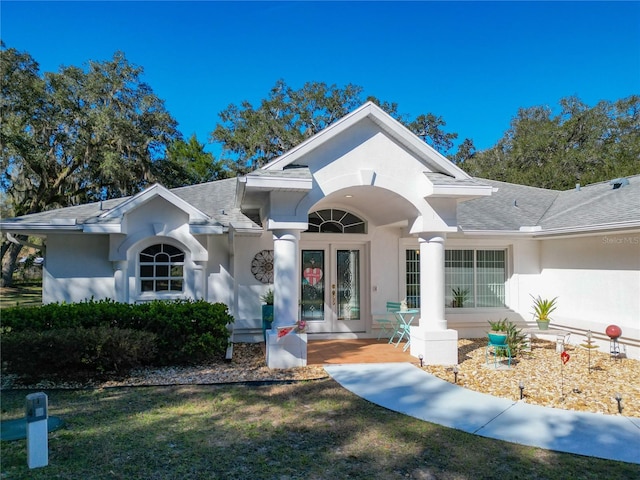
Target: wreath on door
x,y
262,266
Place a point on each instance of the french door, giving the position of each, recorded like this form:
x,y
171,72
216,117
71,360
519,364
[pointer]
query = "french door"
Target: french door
x,y
332,280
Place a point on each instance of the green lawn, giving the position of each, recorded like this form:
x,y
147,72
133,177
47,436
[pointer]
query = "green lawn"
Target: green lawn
x,y
309,430
21,294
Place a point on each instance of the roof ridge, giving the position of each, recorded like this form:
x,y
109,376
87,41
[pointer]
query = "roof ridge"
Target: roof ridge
x,y
589,185
520,185
539,221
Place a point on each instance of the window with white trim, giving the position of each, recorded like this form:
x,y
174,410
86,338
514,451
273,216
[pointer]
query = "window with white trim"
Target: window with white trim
x,y
473,278
333,220
161,269
412,280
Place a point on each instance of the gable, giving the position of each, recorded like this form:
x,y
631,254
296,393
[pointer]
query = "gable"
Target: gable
x,y
149,194
157,210
364,123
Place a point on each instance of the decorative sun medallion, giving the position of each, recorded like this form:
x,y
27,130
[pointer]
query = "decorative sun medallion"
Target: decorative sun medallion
x,y
262,266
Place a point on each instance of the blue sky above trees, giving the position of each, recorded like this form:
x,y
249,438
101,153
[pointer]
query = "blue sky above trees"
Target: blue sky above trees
x,y
472,63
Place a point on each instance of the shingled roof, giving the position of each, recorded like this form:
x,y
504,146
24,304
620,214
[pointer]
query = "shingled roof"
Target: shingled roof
x,y
521,208
215,199
511,207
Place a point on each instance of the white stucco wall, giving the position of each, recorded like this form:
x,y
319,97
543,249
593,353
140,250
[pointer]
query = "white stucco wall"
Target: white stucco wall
x,y
219,278
386,265
597,282
247,307
77,268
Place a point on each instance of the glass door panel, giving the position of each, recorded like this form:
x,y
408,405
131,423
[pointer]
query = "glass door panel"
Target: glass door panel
x,y
348,285
347,282
312,288
331,281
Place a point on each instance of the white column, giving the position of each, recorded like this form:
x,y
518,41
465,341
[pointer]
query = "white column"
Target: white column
x,y
431,338
121,281
291,350
285,277
432,283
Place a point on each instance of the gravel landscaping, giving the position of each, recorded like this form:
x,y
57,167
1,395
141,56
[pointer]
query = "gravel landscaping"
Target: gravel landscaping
x,y
547,381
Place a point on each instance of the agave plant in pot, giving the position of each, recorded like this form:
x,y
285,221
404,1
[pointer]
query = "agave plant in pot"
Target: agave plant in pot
x,y
498,333
509,334
542,309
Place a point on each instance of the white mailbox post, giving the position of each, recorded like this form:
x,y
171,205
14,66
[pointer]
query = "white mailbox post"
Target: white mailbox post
x,y
37,432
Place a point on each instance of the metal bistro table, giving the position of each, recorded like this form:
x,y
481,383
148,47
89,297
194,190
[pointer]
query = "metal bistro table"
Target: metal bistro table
x,y
404,319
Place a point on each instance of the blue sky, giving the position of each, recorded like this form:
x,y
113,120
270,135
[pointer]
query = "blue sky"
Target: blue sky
x,y
472,63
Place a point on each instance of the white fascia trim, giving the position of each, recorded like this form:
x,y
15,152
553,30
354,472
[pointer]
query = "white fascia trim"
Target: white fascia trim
x,y
285,225
530,229
55,224
103,228
473,191
590,229
264,182
496,233
245,229
206,229
538,232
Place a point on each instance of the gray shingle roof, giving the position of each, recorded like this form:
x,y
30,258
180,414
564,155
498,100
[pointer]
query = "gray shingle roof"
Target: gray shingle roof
x,y
215,199
81,213
292,171
597,204
507,209
514,206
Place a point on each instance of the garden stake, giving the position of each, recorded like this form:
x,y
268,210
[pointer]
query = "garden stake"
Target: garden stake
x,y
589,344
564,358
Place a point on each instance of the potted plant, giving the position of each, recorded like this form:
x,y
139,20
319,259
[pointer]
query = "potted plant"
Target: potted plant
x,y
499,332
542,309
514,338
460,296
267,311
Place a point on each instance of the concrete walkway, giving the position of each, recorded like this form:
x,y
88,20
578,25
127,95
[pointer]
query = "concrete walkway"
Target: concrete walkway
x,y
404,388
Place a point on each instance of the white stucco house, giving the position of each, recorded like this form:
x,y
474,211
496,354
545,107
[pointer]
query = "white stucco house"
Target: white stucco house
x,y
360,214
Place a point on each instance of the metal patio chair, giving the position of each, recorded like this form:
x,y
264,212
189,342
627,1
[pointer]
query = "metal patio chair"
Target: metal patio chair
x,y
387,322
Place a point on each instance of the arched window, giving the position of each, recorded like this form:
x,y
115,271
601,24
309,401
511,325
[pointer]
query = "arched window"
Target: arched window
x,y
161,269
335,221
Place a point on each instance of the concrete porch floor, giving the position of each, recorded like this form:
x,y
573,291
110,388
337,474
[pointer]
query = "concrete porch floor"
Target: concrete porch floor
x,y
343,351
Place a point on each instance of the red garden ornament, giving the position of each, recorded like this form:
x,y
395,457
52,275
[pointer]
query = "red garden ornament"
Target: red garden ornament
x,y
565,357
613,331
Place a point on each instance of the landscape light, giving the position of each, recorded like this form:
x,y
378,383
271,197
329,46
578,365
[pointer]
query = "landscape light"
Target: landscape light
x,y
618,398
521,387
455,374
421,357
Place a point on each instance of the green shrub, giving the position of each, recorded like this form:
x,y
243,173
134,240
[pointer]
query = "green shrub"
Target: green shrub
x,y
186,331
53,316
76,353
